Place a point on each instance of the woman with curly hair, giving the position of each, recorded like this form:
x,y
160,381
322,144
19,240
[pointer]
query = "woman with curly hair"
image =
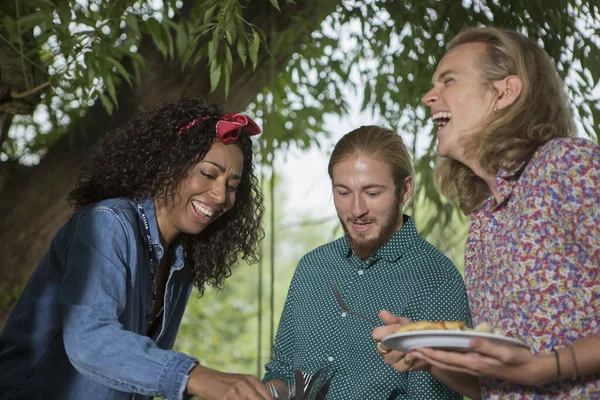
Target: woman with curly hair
x,y
166,201
511,161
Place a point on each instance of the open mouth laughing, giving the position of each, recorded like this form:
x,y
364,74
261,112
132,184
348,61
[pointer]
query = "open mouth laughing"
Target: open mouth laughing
x,y
203,212
441,118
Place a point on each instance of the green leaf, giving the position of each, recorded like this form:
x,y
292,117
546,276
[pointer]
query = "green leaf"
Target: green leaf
x,y
190,51
215,75
156,31
228,60
253,49
276,5
131,21
11,27
89,62
213,46
168,38
64,12
229,37
29,21
120,68
209,14
138,62
227,76
241,50
181,41
108,105
110,87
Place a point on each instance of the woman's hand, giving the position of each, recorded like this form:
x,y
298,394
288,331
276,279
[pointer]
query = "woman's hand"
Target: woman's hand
x,y
209,384
397,359
505,362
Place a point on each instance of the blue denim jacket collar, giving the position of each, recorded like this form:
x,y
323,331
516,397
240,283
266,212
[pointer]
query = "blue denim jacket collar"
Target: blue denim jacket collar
x,y
148,209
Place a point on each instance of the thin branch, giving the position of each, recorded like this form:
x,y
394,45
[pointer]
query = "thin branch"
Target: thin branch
x,y
23,55
29,92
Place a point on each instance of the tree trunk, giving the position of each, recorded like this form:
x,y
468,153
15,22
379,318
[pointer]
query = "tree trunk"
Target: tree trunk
x,y
33,204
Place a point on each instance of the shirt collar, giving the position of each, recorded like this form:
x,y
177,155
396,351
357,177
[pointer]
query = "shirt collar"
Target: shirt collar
x,y
146,208
506,179
402,240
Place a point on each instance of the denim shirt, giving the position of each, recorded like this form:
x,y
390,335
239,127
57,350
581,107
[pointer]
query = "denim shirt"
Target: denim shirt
x,y
78,330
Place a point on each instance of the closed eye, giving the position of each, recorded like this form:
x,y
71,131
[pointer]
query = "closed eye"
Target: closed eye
x,y
209,176
373,194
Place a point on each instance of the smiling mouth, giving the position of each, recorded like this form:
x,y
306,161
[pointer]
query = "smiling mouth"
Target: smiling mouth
x,y
361,226
441,118
203,210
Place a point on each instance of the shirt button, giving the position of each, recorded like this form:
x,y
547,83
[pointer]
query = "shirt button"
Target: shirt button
x,y
330,358
360,272
344,314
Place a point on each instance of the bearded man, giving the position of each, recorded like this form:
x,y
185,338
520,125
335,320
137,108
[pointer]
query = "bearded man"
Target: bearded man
x,y
380,263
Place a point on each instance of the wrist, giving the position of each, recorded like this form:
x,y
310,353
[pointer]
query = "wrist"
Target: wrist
x,y
545,370
197,380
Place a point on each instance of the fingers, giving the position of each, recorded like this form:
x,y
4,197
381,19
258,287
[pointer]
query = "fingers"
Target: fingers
x,y
423,356
248,388
418,365
382,349
382,331
405,362
392,323
505,353
388,318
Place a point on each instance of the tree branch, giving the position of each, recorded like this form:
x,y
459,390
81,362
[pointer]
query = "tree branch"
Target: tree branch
x,y
29,92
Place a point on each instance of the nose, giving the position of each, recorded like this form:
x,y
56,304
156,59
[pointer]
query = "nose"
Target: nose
x,y
358,208
219,193
430,97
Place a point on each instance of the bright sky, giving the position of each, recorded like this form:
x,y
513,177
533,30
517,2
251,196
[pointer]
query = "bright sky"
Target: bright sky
x,y
304,173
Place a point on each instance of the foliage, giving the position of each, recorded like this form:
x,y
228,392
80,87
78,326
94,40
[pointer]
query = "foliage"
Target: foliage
x,y
89,48
386,49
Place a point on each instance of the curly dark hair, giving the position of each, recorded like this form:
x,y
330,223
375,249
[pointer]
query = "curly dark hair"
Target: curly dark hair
x,y
146,158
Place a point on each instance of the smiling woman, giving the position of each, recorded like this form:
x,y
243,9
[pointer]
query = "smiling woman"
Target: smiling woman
x,y
531,189
166,201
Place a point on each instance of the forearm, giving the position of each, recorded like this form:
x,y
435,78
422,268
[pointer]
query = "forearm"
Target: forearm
x,y
129,362
467,385
581,358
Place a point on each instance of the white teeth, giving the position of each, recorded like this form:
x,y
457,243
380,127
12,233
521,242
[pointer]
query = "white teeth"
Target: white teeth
x,y
206,211
441,118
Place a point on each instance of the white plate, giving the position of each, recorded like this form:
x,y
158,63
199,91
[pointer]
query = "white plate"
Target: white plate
x,y
445,340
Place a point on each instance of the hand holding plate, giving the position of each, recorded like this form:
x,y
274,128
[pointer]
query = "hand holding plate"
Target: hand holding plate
x,y
505,361
395,358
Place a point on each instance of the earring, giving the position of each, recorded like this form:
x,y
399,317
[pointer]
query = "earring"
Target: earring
x,y
495,109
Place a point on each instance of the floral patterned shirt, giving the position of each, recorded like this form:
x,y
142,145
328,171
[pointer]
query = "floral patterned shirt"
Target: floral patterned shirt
x,y
532,262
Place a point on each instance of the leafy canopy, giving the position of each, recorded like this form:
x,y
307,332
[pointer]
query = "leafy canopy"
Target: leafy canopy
x,y
381,52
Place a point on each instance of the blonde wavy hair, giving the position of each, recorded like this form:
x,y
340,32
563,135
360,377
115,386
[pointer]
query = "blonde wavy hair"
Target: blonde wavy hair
x,y
511,135
378,143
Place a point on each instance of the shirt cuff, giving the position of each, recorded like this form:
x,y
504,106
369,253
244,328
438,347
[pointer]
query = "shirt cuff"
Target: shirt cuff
x,y
174,378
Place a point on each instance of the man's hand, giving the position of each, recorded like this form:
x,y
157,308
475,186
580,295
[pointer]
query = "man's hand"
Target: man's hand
x,y
209,384
397,359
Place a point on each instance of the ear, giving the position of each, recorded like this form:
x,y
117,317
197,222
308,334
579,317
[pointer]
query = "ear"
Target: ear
x,y
407,188
509,90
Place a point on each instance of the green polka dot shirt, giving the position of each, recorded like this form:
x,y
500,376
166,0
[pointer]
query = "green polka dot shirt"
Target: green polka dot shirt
x,y
408,277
